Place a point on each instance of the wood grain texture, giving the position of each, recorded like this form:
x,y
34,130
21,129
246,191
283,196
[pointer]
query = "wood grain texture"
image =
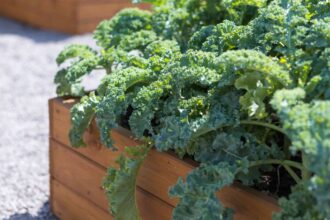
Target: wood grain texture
x,y
69,16
84,177
94,12
46,14
68,205
160,170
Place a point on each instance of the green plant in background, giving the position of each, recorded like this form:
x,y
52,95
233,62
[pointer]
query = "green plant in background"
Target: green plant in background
x,y
240,86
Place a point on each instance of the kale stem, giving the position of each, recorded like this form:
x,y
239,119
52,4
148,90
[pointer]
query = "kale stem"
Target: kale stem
x,y
305,173
287,164
279,162
292,173
264,124
243,122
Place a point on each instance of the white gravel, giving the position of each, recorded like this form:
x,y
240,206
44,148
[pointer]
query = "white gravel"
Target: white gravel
x,y
27,68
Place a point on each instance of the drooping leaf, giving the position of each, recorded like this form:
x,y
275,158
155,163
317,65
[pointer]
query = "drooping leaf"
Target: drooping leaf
x,y
75,51
120,184
115,98
82,115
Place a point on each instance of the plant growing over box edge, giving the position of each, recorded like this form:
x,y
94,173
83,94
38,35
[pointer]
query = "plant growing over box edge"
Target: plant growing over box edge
x,y
242,87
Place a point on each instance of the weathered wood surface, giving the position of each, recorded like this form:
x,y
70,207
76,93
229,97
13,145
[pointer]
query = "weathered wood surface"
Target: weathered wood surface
x,y
68,205
69,16
84,178
159,172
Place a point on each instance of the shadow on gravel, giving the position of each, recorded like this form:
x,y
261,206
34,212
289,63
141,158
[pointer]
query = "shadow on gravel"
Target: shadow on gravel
x,y
43,214
11,27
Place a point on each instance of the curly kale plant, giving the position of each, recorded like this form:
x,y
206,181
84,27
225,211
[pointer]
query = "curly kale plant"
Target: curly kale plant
x,y
242,87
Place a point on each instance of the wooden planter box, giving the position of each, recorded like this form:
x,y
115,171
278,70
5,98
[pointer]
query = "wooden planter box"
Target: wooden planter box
x,y
69,16
76,176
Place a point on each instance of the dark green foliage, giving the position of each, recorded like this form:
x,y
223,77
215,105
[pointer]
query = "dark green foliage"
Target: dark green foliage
x,y
116,98
255,73
294,207
240,86
129,21
220,38
179,20
197,194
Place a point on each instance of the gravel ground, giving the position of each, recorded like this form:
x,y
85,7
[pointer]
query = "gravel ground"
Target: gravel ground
x,y
27,68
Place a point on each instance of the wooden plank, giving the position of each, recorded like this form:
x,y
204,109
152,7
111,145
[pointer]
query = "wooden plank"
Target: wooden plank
x,y
68,205
92,12
57,9
46,8
87,27
45,15
84,177
18,12
160,170
70,16
77,173
247,203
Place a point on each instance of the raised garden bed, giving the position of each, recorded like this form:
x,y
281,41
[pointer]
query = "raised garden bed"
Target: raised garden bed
x,y
69,16
76,176
246,95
